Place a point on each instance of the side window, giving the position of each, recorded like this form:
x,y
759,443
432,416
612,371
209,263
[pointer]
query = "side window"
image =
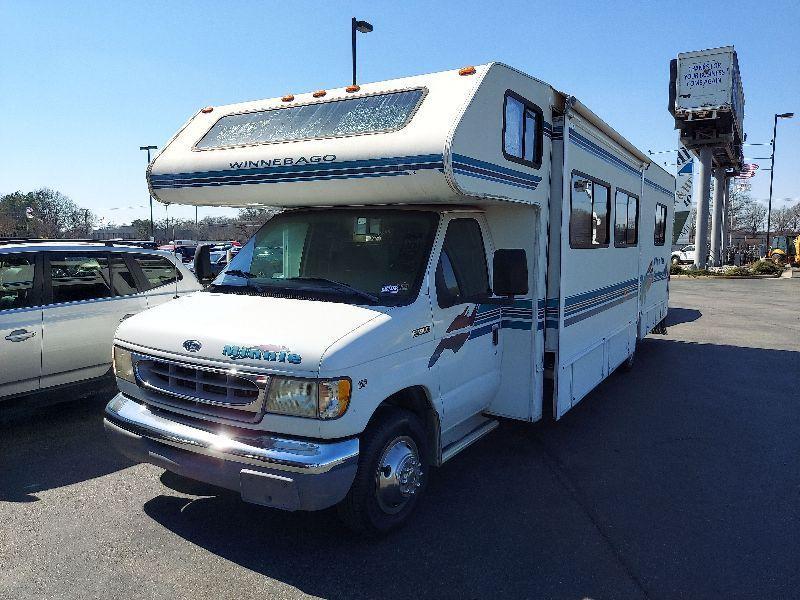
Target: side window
x,y
589,208
157,269
462,275
522,131
75,277
626,219
121,277
16,280
660,233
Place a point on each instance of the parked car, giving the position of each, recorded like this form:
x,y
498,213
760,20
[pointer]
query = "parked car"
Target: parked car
x,y
61,301
686,255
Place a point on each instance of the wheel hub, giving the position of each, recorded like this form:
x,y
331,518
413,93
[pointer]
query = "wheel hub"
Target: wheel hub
x,y
399,475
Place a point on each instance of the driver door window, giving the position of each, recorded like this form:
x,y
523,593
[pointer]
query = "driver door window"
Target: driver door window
x,y
462,274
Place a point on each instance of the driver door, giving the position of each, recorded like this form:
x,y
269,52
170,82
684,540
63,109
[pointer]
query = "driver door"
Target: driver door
x,y
467,355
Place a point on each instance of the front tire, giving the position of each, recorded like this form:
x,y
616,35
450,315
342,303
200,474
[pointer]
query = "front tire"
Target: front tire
x,y
391,474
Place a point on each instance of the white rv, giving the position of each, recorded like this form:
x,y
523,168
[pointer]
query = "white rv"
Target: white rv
x,y
450,242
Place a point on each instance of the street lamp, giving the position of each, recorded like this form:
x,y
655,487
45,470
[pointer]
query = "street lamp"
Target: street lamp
x,y
152,226
363,27
787,115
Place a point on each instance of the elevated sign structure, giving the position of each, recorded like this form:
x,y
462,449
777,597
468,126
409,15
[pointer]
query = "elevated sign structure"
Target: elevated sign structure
x,y
707,101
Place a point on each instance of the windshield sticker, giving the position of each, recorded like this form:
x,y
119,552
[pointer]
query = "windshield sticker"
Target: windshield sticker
x,y
394,288
268,353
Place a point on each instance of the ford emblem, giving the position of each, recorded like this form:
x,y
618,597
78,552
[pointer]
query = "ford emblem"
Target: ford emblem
x,y
192,345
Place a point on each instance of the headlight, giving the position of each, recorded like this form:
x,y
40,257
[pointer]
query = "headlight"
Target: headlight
x,y
308,398
123,364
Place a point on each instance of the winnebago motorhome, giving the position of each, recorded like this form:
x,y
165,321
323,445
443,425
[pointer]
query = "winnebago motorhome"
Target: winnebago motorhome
x,y
449,243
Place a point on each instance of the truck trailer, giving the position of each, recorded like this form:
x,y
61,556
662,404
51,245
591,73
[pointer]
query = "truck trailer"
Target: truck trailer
x,y
453,248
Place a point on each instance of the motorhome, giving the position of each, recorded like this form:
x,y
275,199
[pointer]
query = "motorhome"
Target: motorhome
x,y
453,248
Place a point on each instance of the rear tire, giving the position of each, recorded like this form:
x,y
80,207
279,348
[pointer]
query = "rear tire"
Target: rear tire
x,y
391,476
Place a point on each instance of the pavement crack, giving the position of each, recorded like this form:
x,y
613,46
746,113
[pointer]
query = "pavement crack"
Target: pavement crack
x,y
560,472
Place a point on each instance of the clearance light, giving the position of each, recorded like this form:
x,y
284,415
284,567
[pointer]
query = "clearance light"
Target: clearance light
x,y
207,109
467,71
288,98
319,93
352,88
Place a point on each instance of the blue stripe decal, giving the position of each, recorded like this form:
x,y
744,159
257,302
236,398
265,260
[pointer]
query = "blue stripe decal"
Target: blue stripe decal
x,y
659,188
586,144
380,167
472,167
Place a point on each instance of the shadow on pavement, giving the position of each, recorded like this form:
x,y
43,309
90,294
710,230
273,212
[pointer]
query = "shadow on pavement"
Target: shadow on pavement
x,y
678,315
663,482
52,441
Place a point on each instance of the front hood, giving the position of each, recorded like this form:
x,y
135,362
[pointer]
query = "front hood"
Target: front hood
x,y
269,333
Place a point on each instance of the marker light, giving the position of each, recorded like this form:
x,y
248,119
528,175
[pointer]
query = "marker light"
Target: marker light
x,y
123,364
207,109
467,71
352,88
319,93
288,98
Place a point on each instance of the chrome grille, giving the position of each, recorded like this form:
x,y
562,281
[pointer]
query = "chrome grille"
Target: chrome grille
x,y
220,392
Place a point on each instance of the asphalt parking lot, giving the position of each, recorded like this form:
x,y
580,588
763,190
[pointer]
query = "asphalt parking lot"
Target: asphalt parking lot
x,y
680,479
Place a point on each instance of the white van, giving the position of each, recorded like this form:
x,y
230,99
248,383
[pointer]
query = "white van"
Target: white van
x,y
450,242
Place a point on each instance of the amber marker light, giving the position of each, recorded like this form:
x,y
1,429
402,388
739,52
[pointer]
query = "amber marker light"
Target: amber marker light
x,y
287,98
207,109
319,93
466,71
352,88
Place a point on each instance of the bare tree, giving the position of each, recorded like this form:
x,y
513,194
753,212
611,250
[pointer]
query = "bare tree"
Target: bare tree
x,y
52,215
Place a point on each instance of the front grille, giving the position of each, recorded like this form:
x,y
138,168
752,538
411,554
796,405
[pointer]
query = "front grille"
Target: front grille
x,y
219,392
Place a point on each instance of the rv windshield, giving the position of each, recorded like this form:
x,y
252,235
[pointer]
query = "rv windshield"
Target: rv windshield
x,y
375,257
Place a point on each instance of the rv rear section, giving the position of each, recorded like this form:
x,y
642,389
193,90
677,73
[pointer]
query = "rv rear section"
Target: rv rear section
x,y
454,248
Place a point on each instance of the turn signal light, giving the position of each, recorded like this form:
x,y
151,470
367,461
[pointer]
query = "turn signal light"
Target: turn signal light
x,y
288,98
466,71
352,88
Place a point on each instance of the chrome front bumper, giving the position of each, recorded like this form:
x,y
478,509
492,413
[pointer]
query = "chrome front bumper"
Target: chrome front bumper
x,y
266,469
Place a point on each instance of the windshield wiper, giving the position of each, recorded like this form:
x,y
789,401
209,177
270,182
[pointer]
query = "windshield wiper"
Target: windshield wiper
x,y
342,286
239,273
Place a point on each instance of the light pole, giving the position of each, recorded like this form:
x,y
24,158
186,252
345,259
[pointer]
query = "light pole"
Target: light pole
x,y
363,27
152,226
787,115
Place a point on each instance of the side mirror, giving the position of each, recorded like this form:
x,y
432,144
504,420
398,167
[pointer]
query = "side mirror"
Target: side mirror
x,y
510,273
202,264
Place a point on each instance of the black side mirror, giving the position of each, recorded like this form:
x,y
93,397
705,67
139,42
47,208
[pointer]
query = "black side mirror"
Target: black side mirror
x,y
510,277
202,264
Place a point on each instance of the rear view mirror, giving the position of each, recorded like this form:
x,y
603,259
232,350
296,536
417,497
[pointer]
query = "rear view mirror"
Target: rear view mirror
x,y
510,272
202,264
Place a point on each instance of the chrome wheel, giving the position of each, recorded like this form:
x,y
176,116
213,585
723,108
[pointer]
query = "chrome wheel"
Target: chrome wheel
x,y
399,475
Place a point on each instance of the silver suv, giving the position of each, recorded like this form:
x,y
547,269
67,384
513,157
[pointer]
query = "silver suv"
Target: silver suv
x,y
60,303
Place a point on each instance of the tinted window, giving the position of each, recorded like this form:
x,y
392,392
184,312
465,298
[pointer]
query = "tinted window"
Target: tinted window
x,y
75,277
158,270
366,114
462,275
16,280
121,278
588,222
660,233
522,131
626,209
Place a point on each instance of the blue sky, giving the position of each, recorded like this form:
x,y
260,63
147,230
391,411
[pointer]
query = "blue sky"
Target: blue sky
x,y
84,84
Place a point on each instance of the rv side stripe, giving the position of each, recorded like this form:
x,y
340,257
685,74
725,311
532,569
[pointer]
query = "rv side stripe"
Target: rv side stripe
x,y
342,170
586,144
